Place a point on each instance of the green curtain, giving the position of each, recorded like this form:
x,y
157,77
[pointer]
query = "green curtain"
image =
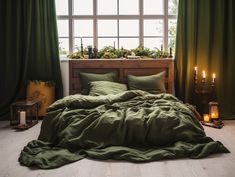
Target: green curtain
x,y
28,48
206,38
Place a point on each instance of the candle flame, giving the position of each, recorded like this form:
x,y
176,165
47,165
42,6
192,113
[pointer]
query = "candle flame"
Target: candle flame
x,y
213,75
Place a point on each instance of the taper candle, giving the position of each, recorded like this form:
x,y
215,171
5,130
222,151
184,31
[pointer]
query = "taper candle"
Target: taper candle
x,y
213,78
203,76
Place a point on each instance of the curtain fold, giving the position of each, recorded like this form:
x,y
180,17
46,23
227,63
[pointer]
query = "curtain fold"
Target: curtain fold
x,y
205,38
28,48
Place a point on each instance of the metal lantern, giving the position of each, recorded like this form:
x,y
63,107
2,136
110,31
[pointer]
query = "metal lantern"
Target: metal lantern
x,y
214,110
24,114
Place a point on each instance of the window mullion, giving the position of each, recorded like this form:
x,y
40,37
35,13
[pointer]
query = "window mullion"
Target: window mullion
x,y
95,26
165,38
118,41
71,27
141,23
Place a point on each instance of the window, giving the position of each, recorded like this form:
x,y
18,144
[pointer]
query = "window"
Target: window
x,y
118,23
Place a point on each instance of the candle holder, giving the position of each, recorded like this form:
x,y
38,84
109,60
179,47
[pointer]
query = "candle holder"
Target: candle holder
x,y
204,91
90,54
95,51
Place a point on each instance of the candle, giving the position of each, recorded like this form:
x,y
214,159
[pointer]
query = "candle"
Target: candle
x,y
214,113
206,118
203,76
213,78
195,69
195,73
22,117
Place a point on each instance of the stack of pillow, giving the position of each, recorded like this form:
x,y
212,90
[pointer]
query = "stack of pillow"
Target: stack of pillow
x,y
104,84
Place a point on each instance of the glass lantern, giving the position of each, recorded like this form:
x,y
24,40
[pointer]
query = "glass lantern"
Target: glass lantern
x,y
214,110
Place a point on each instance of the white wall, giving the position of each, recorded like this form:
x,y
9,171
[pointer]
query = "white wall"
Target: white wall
x,y
64,65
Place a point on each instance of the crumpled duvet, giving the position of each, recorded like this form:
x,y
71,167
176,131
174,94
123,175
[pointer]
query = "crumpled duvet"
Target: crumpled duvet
x,y
134,126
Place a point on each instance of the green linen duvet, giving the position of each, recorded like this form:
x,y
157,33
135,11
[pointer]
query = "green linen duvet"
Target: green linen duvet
x,y
133,126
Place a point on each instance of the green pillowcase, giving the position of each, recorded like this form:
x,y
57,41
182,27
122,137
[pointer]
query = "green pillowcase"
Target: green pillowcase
x,y
86,78
151,84
106,87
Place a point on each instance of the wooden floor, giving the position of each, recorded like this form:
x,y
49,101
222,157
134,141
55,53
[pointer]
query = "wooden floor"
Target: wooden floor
x,y
218,165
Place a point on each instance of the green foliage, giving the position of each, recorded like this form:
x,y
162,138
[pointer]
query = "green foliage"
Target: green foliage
x,y
109,52
143,52
47,83
78,54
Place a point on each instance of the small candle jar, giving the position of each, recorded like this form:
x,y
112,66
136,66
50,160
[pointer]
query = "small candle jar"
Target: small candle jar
x,y
206,118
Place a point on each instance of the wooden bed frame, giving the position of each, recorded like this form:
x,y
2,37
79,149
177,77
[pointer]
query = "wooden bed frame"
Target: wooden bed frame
x,y
124,67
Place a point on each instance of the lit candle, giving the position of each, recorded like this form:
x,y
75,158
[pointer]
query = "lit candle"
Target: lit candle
x,y
195,72
206,118
203,76
213,78
214,114
22,117
195,69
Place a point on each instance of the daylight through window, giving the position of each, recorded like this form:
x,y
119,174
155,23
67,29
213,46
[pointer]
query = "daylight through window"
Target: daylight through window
x,y
119,23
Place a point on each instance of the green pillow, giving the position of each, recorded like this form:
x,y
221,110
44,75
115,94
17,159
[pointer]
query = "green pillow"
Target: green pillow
x,y
153,84
106,87
86,78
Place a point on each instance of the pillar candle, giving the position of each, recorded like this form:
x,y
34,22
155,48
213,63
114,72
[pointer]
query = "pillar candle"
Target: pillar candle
x,y
22,117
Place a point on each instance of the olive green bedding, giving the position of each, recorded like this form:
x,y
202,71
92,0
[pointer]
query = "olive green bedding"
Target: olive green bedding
x,y
134,126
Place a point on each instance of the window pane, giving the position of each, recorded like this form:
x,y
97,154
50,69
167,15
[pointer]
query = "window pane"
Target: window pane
x,y
153,27
107,7
63,28
127,7
153,7
172,7
83,28
63,46
172,27
171,44
62,7
83,7
153,43
107,27
129,43
85,42
103,42
129,28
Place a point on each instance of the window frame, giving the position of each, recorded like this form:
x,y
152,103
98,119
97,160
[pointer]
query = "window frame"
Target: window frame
x,y
95,17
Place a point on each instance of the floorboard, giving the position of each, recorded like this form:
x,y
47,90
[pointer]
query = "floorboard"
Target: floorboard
x,y
217,165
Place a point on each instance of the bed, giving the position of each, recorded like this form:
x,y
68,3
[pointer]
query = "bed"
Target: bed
x,y
133,124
